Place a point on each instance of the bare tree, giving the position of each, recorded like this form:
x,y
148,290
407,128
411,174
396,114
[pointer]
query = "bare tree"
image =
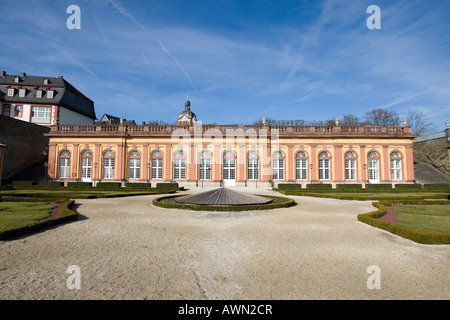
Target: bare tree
x,y
382,117
419,123
350,120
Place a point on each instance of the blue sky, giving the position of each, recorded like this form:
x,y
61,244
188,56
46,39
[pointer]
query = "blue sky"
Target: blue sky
x,y
238,60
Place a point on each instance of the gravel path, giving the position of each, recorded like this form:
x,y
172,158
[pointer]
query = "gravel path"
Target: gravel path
x,y
128,249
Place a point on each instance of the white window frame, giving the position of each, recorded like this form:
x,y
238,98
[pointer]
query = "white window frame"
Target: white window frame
x,y
86,165
179,166
253,166
229,166
396,167
350,165
324,166
50,94
134,165
38,93
157,168
301,166
64,165
204,166
278,166
10,92
179,169
108,164
205,169
22,93
41,114
157,165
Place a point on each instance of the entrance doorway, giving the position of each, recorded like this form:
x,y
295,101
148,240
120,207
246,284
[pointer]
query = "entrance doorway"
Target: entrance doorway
x,y
374,167
229,169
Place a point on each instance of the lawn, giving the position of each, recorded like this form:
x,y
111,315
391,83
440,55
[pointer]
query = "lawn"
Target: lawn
x,y
20,214
426,218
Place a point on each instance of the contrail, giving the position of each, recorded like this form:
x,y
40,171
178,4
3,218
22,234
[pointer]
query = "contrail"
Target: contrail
x,y
129,16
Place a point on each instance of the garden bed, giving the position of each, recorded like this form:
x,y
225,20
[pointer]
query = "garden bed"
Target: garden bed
x,y
52,213
425,221
277,202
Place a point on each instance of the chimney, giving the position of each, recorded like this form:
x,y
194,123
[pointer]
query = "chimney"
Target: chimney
x,y
60,77
3,73
23,74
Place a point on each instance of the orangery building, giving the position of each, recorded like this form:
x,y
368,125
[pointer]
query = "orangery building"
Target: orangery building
x,y
194,154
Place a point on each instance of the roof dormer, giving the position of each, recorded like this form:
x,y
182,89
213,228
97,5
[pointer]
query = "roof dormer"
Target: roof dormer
x,y
38,93
16,79
50,93
22,92
10,92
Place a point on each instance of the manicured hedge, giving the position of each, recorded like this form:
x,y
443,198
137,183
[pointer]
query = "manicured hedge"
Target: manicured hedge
x,y
378,186
349,186
407,187
138,185
372,218
109,185
51,184
167,185
78,184
319,186
289,186
66,215
437,186
23,183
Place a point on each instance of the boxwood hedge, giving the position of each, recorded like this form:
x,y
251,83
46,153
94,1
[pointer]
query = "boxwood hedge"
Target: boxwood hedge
x,y
372,218
278,202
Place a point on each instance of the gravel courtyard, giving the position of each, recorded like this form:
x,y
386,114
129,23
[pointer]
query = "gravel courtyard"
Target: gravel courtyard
x,y
126,248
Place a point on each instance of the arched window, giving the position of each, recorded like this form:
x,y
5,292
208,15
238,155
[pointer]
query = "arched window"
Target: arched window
x,y
229,165
108,164
373,166
205,166
86,165
157,164
134,165
179,168
324,166
350,165
278,165
64,164
301,165
253,165
396,166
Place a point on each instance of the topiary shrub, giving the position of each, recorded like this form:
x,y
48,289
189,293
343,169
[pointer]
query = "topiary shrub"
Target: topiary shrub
x,y
167,185
319,186
349,186
289,186
137,185
79,184
23,183
407,187
437,187
109,185
382,186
